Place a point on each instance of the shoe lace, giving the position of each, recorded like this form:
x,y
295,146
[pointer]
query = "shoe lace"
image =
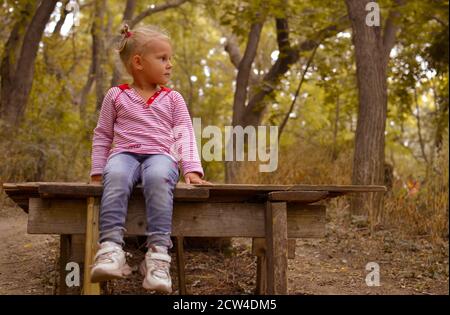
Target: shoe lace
x,y
108,257
159,267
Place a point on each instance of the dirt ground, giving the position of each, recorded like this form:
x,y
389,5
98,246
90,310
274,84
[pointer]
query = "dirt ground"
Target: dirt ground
x,y
334,265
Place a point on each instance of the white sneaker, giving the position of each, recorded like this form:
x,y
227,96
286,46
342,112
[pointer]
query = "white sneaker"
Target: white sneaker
x,y
156,270
110,263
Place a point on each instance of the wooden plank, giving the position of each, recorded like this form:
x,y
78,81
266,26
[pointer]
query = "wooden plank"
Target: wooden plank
x,y
220,193
263,187
28,186
68,216
299,196
180,266
276,243
97,188
10,186
237,196
306,221
181,192
90,288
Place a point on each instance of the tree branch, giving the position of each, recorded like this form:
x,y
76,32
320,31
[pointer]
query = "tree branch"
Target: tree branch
x,y
245,66
32,39
14,98
232,48
157,8
152,10
12,46
281,66
62,18
286,117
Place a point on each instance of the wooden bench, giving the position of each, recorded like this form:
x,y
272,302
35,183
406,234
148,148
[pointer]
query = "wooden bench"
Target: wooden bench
x,y
272,215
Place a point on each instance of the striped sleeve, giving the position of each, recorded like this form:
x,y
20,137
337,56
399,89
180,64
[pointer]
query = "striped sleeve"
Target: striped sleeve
x,y
104,132
185,137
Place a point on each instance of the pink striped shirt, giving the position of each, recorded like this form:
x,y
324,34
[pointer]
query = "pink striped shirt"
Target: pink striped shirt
x,y
161,125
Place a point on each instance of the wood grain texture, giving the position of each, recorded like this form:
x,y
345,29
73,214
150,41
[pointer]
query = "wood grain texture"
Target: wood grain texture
x,y
277,247
68,216
298,196
93,205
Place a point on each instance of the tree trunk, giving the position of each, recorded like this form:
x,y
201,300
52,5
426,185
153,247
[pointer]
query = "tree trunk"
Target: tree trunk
x,y
127,16
249,111
17,77
99,51
371,54
334,155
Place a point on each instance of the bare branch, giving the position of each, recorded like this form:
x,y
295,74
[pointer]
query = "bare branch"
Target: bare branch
x,y
232,48
281,66
152,10
157,8
62,18
244,69
286,117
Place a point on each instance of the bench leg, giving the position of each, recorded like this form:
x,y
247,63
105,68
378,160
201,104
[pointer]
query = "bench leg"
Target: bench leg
x,y
259,250
277,247
71,249
64,256
91,245
261,276
180,266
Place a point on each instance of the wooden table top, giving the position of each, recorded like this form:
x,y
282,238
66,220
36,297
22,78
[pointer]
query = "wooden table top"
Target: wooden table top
x,y
95,187
21,192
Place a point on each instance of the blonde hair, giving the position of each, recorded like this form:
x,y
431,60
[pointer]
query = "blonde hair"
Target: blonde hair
x,y
134,41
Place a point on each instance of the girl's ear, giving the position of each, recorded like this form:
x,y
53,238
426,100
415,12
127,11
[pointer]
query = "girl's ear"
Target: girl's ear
x,y
136,62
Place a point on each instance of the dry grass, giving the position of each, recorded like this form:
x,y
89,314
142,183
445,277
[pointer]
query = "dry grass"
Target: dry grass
x,y
424,214
304,163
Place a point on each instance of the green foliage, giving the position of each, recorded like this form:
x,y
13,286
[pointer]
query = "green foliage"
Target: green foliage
x,y
54,141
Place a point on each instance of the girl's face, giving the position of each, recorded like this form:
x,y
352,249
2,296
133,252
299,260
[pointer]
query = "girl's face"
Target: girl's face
x,y
155,62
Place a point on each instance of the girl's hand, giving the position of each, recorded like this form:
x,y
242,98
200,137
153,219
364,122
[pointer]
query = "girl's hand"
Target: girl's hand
x,y
96,178
194,178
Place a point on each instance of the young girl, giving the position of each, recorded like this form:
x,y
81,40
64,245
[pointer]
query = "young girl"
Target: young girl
x,y
140,120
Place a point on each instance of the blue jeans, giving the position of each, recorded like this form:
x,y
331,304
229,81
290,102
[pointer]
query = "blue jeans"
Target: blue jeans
x,y
159,175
